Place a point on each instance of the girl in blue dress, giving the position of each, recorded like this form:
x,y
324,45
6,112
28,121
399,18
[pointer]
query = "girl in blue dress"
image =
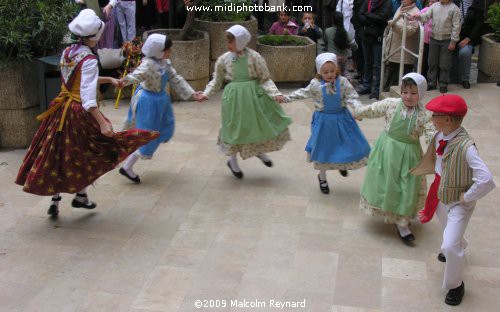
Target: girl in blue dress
x,y
151,107
336,142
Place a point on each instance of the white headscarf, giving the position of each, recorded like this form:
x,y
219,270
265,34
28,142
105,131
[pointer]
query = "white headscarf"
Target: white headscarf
x,y
154,46
421,85
87,25
241,35
323,58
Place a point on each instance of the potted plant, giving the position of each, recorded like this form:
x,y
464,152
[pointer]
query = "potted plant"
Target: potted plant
x,y
28,29
489,52
218,16
285,52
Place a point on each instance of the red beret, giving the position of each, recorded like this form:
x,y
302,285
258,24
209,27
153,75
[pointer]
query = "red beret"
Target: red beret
x,y
448,104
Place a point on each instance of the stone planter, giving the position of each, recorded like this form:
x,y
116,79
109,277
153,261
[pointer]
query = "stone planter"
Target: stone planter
x,y
217,34
290,63
190,58
489,57
19,105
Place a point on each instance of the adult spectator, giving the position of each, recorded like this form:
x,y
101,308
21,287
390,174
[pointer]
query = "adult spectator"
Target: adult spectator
x,y
395,40
472,15
373,15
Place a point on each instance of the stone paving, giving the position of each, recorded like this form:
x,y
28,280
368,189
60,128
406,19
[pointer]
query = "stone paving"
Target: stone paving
x,y
191,231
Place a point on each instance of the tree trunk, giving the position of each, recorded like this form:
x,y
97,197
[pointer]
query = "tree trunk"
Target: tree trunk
x,y
188,25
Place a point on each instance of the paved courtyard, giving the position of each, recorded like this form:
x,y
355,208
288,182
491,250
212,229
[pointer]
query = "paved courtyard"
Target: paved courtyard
x,y
191,231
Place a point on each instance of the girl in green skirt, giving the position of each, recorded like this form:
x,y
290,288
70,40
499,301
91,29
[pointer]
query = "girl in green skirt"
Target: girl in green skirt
x,y
389,189
252,122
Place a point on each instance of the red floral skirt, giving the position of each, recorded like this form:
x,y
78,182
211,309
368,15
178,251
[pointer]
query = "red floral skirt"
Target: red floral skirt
x,y
70,160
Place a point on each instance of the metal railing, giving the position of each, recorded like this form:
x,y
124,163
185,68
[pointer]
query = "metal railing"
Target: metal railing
x,y
402,49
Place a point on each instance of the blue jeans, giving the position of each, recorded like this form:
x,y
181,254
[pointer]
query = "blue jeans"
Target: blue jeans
x,y
464,58
372,53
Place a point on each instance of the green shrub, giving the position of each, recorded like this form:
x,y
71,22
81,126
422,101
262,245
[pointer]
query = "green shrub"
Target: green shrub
x,y
215,15
31,28
282,40
494,19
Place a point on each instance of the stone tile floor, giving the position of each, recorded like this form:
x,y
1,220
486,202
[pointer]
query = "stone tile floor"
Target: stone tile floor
x,y
191,231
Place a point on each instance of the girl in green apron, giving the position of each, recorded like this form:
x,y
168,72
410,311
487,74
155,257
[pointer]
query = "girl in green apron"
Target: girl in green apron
x,y
252,122
389,188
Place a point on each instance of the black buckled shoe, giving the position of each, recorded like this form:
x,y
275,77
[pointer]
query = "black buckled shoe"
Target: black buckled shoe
x,y
344,173
441,257
455,295
407,239
54,209
323,186
267,163
86,205
238,174
124,173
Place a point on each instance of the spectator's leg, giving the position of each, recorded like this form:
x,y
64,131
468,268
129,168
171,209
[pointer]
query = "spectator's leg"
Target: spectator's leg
x,y
392,76
358,54
120,16
377,60
433,62
368,68
130,17
445,57
464,62
425,56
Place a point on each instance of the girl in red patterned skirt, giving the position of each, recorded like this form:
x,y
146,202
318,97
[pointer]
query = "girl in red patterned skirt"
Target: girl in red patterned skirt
x,y
75,144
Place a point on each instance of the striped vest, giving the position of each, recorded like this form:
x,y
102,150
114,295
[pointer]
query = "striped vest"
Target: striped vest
x,y
456,177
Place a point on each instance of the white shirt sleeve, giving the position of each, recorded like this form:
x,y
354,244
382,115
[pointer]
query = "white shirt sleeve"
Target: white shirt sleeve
x,y
113,2
88,84
482,177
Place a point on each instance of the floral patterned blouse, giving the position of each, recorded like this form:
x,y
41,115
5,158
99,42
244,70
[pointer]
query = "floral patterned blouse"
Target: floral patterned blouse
x,y
349,96
149,74
387,108
257,69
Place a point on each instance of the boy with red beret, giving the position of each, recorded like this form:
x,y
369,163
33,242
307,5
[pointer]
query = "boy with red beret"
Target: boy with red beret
x,y
461,178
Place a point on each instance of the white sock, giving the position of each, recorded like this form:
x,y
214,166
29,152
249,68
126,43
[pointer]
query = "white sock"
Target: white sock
x,y
403,230
322,175
264,157
233,162
56,202
82,199
128,164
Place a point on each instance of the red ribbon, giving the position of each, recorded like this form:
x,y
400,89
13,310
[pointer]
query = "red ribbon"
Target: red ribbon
x,y
442,145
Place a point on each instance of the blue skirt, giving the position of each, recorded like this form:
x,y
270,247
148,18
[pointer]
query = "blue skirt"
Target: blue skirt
x,y
336,138
153,112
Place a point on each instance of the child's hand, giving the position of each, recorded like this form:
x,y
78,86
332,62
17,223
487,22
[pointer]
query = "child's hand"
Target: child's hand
x,y
107,129
414,17
279,98
116,83
200,96
462,199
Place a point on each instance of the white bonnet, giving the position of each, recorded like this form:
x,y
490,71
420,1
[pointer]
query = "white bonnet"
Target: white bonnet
x,y
323,58
154,46
241,35
87,25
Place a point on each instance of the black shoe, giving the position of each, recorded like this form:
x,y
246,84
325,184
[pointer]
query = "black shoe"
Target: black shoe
x,y
441,257
267,163
443,89
406,239
54,209
344,173
323,186
363,92
238,174
86,205
431,87
466,84
455,295
374,96
135,179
